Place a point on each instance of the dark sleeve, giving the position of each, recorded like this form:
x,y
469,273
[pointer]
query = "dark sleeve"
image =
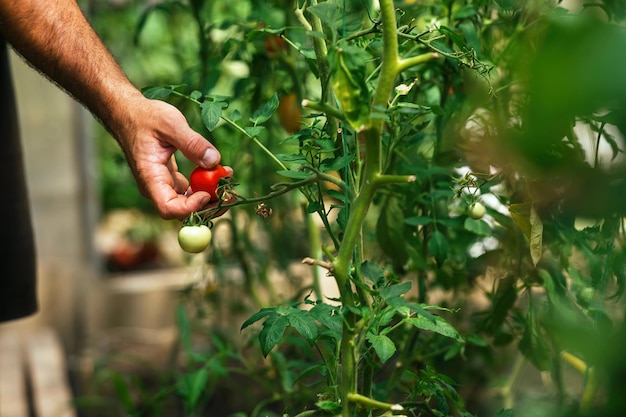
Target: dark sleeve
x,y
17,252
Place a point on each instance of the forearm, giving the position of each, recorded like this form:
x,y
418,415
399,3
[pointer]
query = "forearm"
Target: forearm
x,y
55,37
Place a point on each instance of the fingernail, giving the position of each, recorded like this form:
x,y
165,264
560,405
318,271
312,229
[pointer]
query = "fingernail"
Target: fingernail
x,y
211,157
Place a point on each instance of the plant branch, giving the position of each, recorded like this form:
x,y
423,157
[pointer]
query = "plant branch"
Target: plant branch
x,y
373,404
405,63
323,107
278,189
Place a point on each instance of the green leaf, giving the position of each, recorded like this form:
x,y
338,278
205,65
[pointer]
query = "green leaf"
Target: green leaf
x,y
157,92
123,393
261,314
372,271
440,326
265,112
333,15
335,164
272,332
479,227
332,407
304,324
418,221
476,340
438,247
395,290
211,112
341,196
383,346
328,316
192,385
254,131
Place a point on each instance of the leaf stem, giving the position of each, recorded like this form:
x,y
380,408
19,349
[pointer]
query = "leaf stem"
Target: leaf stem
x,y
373,404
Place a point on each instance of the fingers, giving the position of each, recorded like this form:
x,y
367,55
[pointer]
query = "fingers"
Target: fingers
x,y
193,145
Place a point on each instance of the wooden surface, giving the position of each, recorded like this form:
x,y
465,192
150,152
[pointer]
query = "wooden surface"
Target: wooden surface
x,y
33,375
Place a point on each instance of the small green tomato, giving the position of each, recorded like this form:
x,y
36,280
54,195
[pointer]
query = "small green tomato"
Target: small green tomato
x,y
194,239
476,211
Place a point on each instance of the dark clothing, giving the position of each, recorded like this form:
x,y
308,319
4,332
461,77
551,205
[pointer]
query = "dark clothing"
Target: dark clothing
x,y
17,249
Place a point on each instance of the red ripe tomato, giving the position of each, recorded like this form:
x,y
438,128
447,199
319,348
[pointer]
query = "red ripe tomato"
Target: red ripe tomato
x,y
208,180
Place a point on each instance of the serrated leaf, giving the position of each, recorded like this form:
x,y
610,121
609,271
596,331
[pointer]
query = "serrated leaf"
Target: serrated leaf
x,y
314,207
157,92
479,227
211,112
440,326
395,290
329,317
372,271
304,324
383,346
265,112
254,131
335,164
385,317
272,332
261,314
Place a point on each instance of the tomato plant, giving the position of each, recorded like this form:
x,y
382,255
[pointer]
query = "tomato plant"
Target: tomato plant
x,y
415,112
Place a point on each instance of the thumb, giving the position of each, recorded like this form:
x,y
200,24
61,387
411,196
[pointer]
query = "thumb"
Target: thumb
x,y
197,149
180,135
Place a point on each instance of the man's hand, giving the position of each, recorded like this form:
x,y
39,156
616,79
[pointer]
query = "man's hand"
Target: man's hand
x,y
55,37
149,139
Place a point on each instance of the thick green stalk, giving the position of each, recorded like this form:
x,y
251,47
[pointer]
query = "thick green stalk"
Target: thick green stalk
x,y
360,206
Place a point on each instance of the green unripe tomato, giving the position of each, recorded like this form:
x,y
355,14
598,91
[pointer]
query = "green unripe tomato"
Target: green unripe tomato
x,y
476,211
194,239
